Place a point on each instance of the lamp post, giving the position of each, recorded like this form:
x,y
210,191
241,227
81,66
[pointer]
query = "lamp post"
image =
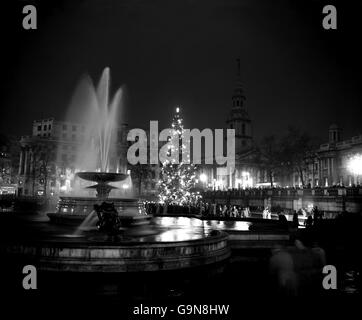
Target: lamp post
x,y
355,165
203,179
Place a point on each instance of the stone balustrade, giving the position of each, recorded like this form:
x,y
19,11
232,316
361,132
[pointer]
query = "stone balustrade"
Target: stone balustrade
x,y
331,200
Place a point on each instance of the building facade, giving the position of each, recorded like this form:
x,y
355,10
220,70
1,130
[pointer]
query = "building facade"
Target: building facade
x,y
48,158
247,173
333,162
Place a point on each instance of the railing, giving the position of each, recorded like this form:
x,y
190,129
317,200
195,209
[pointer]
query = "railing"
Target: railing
x,y
285,192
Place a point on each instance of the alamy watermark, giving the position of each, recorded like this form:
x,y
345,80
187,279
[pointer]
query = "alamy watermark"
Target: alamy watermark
x,y
173,151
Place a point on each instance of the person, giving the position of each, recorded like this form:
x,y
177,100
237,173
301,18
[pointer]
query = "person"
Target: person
x,y
268,215
309,222
295,219
223,214
283,222
316,213
297,268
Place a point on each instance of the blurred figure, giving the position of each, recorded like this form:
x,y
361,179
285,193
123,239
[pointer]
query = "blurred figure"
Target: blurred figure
x,y
297,270
266,213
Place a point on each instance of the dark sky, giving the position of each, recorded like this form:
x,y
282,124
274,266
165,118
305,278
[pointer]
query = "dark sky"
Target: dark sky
x,y
170,53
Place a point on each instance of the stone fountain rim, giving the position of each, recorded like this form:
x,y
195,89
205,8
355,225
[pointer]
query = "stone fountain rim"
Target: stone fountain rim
x,y
126,244
104,177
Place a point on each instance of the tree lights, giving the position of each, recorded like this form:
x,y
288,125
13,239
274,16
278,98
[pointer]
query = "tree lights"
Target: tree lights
x,y
177,179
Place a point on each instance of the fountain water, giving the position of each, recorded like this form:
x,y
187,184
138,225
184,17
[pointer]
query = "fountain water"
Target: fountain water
x,y
98,159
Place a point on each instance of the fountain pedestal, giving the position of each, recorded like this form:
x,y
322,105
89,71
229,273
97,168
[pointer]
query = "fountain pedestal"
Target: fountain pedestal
x,y
76,209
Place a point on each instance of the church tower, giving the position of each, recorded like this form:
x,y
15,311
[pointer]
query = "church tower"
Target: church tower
x,y
239,118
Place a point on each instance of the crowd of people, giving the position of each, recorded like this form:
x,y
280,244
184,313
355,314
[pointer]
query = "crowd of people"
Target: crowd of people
x,y
296,187
224,211
305,216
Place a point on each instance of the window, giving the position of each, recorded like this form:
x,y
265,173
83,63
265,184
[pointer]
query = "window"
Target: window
x,y
243,129
64,127
64,135
39,128
73,137
243,143
74,128
49,126
45,127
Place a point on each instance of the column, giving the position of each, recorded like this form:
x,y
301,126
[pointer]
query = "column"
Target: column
x,y
26,162
333,176
21,162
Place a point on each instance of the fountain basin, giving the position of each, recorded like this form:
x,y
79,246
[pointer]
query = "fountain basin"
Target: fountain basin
x,y
73,210
125,256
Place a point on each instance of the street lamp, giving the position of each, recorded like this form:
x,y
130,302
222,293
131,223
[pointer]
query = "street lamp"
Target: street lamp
x,y
355,164
203,177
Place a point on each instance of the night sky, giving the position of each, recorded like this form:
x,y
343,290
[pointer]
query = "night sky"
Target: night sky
x,y
169,53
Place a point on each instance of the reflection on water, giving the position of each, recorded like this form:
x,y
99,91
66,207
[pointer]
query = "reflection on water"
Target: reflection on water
x,y
184,228
184,222
177,235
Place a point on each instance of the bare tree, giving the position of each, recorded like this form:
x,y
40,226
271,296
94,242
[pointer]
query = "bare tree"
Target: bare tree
x,y
269,156
140,173
296,146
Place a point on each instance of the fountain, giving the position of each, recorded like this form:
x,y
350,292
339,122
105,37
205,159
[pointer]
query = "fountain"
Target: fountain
x,y
123,239
99,114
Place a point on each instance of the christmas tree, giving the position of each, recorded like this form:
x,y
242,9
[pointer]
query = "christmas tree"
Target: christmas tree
x,y
178,179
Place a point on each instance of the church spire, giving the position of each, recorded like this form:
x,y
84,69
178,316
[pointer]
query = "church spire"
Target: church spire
x,y
239,119
238,96
238,68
